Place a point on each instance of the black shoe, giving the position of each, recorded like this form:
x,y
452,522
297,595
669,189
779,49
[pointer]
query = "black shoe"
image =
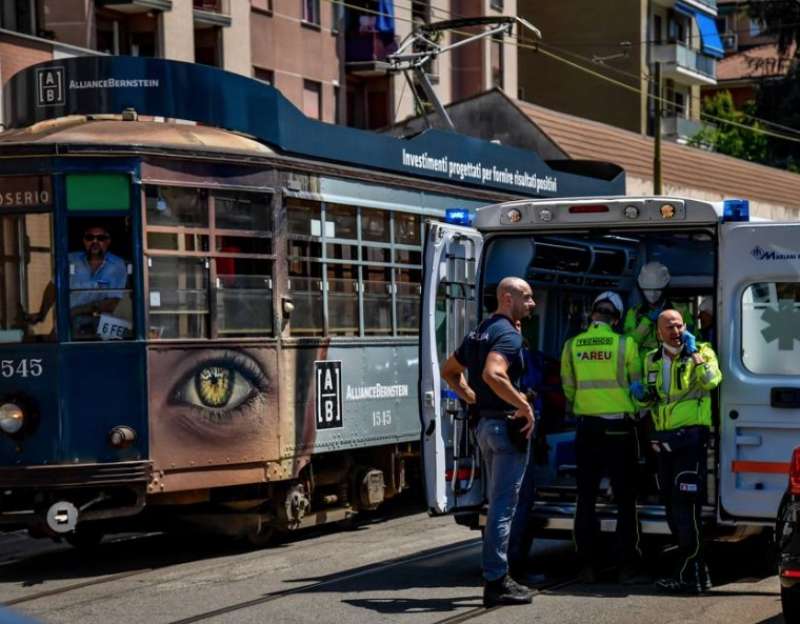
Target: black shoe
x,y
529,579
672,585
505,591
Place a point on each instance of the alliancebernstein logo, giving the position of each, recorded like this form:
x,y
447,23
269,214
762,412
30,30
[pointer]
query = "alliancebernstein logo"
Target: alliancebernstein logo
x,y
113,83
759,253
51,85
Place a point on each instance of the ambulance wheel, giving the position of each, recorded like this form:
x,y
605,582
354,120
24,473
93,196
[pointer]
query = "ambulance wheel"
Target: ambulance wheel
x,y
85,537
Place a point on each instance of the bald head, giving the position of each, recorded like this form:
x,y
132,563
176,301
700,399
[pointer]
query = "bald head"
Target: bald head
x,y
514,298
670,328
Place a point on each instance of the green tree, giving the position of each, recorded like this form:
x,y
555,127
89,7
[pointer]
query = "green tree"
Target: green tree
x,y
730,138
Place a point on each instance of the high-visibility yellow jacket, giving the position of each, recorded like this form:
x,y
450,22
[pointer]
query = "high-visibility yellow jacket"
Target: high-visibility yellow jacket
x,y
638,325
597,368
685,399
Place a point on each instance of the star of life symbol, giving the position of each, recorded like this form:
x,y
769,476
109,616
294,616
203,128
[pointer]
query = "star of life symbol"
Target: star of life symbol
x,y
783,324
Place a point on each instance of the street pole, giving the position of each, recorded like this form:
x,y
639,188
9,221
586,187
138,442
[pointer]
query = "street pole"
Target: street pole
x,y
657,135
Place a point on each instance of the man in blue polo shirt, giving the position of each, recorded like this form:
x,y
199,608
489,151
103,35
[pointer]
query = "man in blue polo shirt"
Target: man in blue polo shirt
x,y
96,280
94,274
492,355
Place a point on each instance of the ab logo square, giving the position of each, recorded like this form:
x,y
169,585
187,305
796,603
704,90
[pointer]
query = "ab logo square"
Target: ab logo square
x,y
50,86
329,394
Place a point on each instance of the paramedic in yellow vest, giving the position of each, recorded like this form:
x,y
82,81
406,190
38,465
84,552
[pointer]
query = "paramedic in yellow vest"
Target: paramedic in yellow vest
x,y
597,369
678,379
640,320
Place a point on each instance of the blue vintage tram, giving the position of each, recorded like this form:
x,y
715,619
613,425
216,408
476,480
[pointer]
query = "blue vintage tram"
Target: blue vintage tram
x,y
216,320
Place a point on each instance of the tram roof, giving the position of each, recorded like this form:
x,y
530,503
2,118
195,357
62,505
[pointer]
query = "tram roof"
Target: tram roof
x,y
110,130
103,85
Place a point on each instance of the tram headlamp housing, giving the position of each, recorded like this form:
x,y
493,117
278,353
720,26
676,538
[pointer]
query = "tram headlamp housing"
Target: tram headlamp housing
x,y
12,418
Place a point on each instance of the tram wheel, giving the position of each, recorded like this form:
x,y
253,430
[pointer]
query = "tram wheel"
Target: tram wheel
x,y
261,537
85,538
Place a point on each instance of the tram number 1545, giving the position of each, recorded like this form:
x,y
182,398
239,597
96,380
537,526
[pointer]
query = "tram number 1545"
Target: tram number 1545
x,y
21,368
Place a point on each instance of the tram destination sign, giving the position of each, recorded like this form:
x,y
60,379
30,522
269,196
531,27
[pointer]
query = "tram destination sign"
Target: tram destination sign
x,y
173,89
18,192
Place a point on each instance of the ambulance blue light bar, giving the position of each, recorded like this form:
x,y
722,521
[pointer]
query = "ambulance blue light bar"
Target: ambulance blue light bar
x,y
458,216
735,210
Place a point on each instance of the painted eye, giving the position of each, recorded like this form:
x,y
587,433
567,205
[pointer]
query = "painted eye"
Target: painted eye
x,y
217,388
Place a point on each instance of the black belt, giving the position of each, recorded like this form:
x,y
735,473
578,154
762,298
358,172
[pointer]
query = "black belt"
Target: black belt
x,y
495,414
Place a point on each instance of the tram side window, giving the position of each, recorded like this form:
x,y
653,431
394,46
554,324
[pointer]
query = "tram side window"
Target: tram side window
x,y
100,270
27,291
243,248
368,279
210,260
305,269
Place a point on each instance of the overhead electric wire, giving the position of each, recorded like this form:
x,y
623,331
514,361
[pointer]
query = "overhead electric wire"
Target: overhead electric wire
x,y
539,48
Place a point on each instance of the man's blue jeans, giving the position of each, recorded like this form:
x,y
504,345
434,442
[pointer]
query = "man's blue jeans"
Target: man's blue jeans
x,y
504,467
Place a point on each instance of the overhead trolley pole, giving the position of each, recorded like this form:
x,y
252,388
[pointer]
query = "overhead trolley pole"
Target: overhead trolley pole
x,y
420,47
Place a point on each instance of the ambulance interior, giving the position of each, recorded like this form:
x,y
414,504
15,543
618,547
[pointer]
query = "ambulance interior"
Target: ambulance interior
x,y
567,271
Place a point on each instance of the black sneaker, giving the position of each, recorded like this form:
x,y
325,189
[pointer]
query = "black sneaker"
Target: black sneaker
x,y
505,591
672,585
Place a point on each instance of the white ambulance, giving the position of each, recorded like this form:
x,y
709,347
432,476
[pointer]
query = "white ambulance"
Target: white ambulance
x,y
570,251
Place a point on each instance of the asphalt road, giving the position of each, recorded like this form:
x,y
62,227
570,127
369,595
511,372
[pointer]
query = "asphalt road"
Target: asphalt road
x,y
404,567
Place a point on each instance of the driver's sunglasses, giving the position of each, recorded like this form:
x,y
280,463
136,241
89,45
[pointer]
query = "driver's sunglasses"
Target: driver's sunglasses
x,y
96,237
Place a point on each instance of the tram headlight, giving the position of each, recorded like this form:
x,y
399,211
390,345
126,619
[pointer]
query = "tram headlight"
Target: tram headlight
x,y
11,418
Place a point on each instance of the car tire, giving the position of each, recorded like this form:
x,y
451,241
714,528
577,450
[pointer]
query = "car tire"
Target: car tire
x,y
790,601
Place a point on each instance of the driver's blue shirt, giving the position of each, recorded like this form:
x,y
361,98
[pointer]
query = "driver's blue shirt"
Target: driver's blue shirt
x,y
112,274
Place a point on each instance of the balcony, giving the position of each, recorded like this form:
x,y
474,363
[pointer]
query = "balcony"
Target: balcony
x,y
135,6
208,13
366,52
679,128
684,65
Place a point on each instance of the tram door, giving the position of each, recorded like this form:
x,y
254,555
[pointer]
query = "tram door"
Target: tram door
x,y
102,373
449,310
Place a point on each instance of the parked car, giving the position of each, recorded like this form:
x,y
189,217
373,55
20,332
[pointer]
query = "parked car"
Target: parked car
x,y
787,536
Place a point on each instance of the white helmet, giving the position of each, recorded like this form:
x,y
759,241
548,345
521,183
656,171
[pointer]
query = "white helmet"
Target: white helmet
x,y
653,276
612,297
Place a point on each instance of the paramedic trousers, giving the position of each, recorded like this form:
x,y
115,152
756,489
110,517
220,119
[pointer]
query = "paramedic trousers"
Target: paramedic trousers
x,y
606,447
504,467
682,470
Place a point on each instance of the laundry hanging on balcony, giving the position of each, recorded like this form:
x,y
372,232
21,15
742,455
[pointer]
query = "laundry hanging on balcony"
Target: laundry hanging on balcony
x,y
385,21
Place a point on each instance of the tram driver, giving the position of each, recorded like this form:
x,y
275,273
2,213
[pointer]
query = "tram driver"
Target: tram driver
x,y
97,279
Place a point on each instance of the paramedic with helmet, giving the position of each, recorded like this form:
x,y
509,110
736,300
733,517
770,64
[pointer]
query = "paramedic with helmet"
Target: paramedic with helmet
x,y
640,321
678,380
598,367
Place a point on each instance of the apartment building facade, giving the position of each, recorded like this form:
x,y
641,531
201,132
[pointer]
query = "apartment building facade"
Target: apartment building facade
x,y
327,56
625,41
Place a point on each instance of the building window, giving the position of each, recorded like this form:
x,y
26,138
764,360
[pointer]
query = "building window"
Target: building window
x,y
498,64
264,75
264,6
312,99
311,12
657,26
497,5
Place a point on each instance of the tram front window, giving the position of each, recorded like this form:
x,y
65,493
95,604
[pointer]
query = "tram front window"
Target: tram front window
x,y
26,278
100,306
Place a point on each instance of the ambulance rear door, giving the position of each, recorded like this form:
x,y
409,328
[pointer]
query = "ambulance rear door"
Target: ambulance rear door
x,y
758,313
449,310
